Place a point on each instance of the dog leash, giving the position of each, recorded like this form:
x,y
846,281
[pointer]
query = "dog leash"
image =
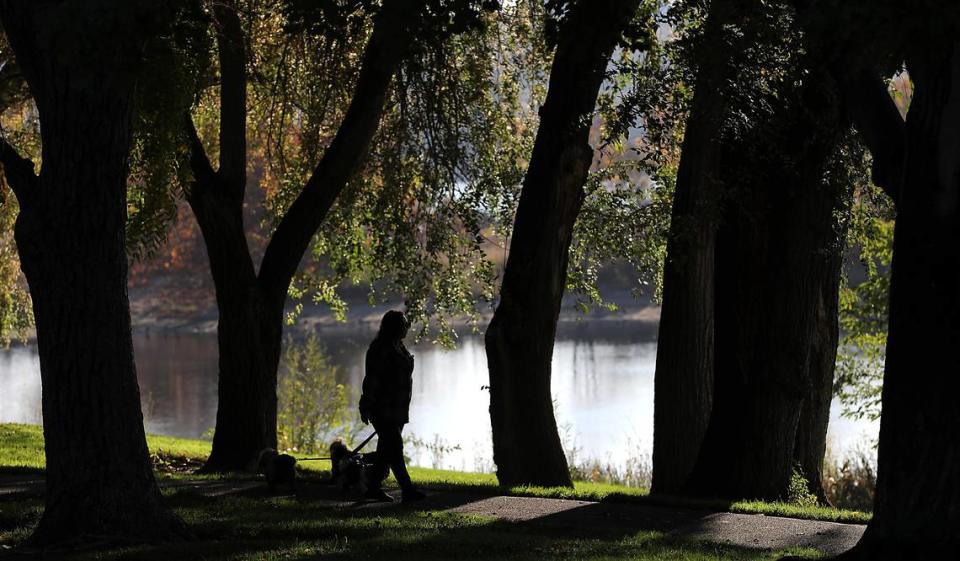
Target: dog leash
x,y
364,443
355,450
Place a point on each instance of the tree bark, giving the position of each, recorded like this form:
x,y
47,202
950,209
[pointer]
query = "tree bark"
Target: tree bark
x,y
248,336
917,504
683,382
868,106
519,340
251,303
811,443
70,238
248,341
782,253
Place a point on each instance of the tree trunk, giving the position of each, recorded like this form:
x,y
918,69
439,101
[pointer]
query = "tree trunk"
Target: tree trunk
x,y
70,238
782,249
868,106
248,334
748,447
520,337
917,505
247,386
811,444
683,382
770,363
249,326
250,303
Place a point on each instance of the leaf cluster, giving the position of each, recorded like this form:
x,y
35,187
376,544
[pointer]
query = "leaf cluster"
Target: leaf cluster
x,y
442,177
173,66
864,305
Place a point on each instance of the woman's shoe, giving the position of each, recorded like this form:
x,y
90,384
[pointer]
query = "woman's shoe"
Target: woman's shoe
x,y
378,495
412,495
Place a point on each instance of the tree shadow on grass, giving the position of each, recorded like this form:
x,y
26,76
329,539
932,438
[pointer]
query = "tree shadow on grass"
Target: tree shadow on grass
x,y
314,524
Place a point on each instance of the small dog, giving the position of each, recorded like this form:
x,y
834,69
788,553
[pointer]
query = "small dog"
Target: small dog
x,y
349,469
279,469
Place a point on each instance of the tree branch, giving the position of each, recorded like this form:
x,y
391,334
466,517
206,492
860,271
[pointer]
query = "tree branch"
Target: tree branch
x,y
866,99
388,44
233,99
203,173
876,117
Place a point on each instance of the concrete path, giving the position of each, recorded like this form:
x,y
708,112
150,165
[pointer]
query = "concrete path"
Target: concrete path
x,y
744,530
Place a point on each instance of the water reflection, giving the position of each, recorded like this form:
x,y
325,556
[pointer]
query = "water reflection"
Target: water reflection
x,y
20,386
602,380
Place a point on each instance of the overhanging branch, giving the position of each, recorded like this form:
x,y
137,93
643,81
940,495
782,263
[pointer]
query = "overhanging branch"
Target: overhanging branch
x,y
385,50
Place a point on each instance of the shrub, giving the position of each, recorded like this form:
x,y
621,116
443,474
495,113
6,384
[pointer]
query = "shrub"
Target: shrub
x,y
799,491
313,406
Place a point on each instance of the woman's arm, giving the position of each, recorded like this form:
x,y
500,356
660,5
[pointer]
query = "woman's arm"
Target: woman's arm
x,y
370,387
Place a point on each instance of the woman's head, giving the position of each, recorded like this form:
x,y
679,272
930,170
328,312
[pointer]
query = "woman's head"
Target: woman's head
x,y
393,326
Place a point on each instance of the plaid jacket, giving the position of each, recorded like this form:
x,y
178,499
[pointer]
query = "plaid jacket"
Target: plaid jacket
x,y
387,384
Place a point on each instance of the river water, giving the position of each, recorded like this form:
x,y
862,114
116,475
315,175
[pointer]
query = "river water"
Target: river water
x,y
602,385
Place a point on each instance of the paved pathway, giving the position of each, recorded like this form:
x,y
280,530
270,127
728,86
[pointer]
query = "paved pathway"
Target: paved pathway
x,y
745,530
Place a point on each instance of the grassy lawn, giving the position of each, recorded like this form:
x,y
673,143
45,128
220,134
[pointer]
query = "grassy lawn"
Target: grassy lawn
x,y
21,450
254,525
264,528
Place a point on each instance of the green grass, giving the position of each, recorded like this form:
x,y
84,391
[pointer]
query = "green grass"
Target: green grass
x,y
181,447
268,529
21,449
806,512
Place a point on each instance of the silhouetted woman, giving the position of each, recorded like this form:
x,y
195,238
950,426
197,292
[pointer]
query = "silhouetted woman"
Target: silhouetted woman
x,y
387,388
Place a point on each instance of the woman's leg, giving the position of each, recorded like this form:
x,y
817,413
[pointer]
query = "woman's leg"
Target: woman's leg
x,y
381,466
394,454
390,455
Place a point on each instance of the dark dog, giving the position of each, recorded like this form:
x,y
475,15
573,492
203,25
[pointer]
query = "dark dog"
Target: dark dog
x,y
350,470
279,469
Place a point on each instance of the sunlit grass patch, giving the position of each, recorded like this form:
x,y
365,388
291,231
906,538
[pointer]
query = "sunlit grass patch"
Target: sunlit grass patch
x,y
21,451
21,448
181,447
807,512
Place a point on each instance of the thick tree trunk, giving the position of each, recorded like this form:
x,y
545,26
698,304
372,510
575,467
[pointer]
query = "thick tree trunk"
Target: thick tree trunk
x,y
770,363
247,387
781,251
917,508
248,335
748,447
249,325
683,382
520,337
868,106
70,238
